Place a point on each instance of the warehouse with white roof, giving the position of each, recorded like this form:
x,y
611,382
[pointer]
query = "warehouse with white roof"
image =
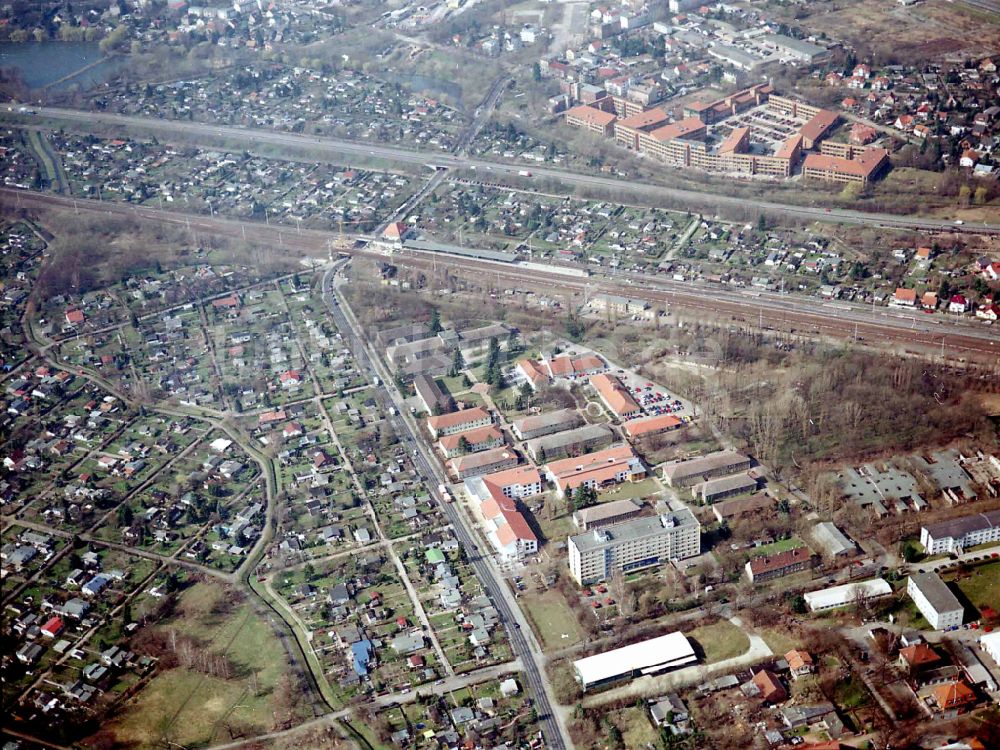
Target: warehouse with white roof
x,y
841,596
646,657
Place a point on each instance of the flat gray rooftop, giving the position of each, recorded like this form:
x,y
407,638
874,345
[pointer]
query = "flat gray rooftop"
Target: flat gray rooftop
x,y
943,468
936,592
637,528
470,252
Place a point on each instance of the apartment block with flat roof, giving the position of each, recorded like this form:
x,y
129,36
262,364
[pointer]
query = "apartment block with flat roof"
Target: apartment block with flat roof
x,y
939,606
961,533
633,545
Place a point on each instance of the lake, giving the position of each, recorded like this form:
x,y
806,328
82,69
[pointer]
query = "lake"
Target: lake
x,y
42,63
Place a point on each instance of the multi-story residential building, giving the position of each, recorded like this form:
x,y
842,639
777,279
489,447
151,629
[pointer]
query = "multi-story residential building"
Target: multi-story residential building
x,y
584,439
640,543
767,567
590,118
538,425
595,470
402,334
650,425
471,441
505,525
692,471
683,143
862,169
516,483
486,462
433,355
533,372
733,104
961,533
627,130
615,396
459,421
435,400
934,599
722,487
583,365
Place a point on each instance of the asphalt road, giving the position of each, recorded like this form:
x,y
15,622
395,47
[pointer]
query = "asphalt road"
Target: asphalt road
x,y
952,336
510,615
658,195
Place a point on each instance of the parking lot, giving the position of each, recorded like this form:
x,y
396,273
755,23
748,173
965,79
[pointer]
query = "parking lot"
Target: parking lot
x,y
768,129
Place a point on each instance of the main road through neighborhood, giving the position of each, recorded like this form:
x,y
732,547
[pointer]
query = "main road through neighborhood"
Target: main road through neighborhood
x,y
518,630
313,146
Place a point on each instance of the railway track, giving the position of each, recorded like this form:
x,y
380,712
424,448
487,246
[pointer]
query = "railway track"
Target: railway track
x,y
783,313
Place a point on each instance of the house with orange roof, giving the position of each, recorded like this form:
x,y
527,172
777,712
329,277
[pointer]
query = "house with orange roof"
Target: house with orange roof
x,y
610,466
585,117
75,317
929,301
918,656
615,396
229,302
506,526
470,441
862,134
969,158
769,687
396,232
989,311
270,417
458,421
800,663
290,379
533,372
904,297
583,365
651,425
953,696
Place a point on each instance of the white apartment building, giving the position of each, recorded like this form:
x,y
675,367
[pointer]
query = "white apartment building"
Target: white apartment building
x,y
961,533
934,600
639,543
